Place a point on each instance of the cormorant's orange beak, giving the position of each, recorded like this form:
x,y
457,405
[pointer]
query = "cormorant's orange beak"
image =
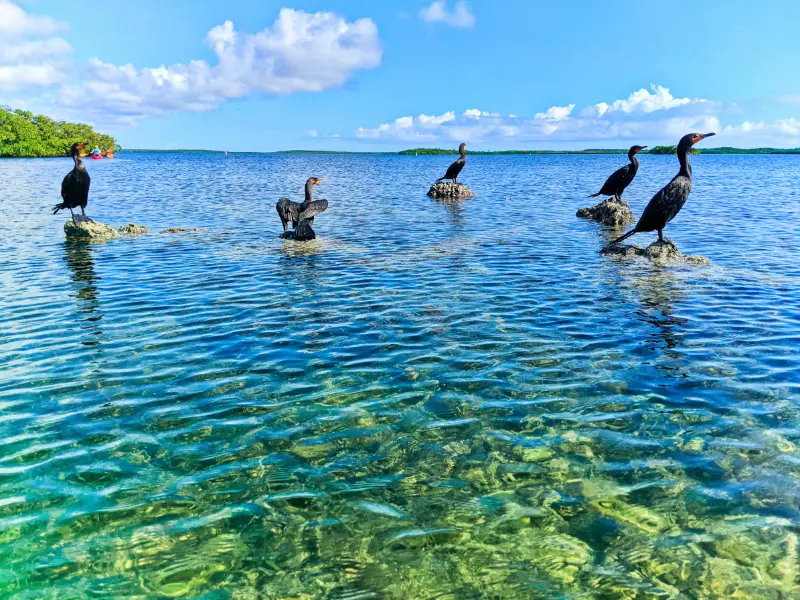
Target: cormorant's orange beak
x,y
701,136
318,181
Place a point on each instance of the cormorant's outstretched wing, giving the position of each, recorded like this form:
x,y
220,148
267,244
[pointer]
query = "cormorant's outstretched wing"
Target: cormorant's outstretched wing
x,y
308,210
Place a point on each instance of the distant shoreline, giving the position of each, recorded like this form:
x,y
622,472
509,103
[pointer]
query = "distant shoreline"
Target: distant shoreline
x,y
443,152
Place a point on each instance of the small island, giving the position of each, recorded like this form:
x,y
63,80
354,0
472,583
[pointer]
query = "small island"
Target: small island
x,y
25,135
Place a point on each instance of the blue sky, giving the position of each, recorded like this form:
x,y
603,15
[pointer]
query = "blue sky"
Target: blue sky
x,y
259,75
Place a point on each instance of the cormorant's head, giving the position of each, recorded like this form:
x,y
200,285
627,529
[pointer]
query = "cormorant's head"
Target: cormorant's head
x,y
461,148
635,150
312,181
691,139
77,147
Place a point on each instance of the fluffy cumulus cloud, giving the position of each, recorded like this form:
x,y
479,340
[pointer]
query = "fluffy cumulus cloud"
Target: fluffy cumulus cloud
x,y
647,116
32,56
437,12
301,52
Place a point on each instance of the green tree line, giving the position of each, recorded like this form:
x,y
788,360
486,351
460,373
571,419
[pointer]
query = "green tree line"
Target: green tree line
x,y
23,134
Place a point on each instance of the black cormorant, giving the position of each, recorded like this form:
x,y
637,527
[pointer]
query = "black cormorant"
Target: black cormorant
x,y
75,187
621,178
299,212
454,169
669,200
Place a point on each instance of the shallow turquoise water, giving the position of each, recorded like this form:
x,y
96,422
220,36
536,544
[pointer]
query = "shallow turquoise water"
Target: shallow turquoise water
x,y
429,401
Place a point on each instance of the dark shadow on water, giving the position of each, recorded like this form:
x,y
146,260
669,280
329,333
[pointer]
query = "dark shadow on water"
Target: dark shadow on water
x,y
79,259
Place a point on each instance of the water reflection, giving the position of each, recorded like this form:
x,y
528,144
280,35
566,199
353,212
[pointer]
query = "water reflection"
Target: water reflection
x,y
79,260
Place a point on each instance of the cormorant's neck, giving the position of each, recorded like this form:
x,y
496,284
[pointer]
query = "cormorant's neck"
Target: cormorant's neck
x,y
77,160
463,153
634,160
686,166
308,192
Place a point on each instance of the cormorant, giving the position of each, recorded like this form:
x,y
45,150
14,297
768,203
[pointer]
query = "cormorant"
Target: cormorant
x,y
301,212
621,178
75,187
669,200
454,169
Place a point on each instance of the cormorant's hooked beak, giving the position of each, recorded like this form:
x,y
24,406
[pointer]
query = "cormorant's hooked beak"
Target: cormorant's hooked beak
x,y
702,136
318,181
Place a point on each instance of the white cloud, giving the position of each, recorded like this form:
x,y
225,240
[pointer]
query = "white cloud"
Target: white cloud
x,y
16,23
29,57
437,12
312,132
301,52
647,117
556,113
434,121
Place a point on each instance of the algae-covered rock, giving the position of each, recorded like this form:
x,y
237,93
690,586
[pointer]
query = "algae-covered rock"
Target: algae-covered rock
x,y
449,190
180,230
133,229
661,253
89,230
611,212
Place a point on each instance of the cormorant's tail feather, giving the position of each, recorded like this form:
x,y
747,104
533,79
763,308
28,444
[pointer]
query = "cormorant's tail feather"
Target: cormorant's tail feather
x,y
622,238
594,195
440,179
59,207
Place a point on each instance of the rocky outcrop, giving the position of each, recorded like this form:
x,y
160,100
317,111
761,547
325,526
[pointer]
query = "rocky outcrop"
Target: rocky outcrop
x,y
661,253
611,212
83,228
180,230
89,230
133,229
449,190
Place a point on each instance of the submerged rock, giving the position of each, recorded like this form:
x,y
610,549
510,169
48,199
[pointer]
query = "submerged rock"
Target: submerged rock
x,y
661,253
609,212
180,230
133,229
449,190
88,230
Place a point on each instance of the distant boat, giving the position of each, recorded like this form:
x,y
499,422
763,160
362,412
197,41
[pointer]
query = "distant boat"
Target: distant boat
x,y
226,153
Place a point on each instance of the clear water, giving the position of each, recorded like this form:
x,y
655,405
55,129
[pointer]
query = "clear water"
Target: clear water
x,y
429,401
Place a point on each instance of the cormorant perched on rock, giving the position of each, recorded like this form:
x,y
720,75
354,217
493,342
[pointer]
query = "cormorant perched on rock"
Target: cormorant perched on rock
x,y
301,214
621,178
454,169
669,200
75,187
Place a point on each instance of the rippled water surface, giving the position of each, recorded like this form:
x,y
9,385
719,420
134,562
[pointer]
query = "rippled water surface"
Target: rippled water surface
x,y
429,401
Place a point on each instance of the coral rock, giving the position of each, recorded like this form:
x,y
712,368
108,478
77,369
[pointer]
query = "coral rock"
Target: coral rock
x,y
449,190
661,253
133,229
89,230
609,212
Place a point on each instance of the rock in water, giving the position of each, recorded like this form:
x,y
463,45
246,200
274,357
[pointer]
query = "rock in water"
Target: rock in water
x,y
661,253
302,233
133,229
609,212
89,230
449,190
